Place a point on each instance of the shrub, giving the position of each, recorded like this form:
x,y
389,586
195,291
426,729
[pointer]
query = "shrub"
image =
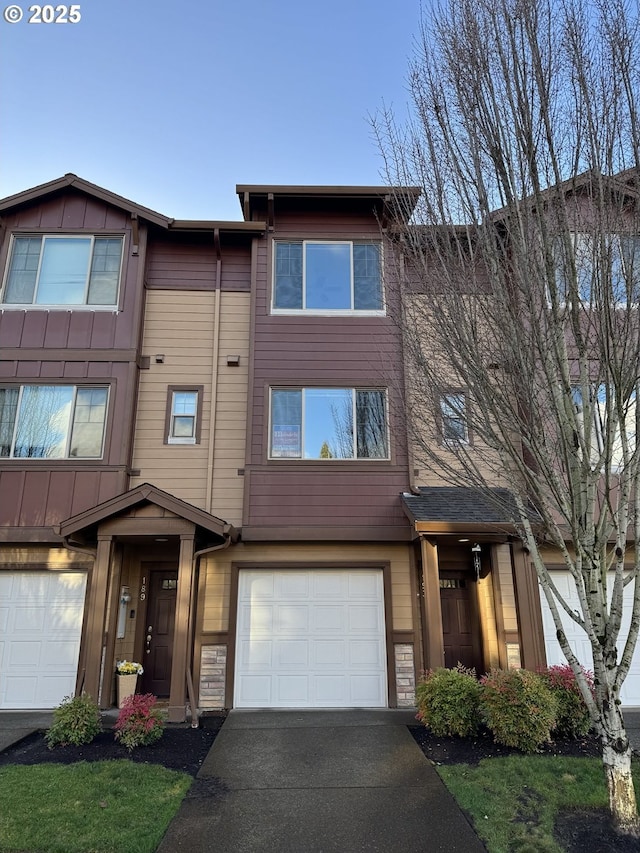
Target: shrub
x,y
75,721
518,707
139,723
572,716
447,701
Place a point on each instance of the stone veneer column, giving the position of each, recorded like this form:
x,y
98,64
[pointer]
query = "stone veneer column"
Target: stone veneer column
x,y
213,673
405,675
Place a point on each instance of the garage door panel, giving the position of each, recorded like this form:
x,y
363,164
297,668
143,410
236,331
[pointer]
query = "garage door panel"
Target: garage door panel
x,y
256,618
291,654
28,619
330,586
363,585
41,629
291,619
630,693
365,619
255,653
329,653
292,585
326,639
329,618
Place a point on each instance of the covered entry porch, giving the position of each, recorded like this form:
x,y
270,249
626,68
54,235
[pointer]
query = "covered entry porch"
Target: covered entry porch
x,y
478,591
142,591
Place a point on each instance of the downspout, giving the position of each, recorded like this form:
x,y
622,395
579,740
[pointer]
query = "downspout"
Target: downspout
x,y
196,571
214,368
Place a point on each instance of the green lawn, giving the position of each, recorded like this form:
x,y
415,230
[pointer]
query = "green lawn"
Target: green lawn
x,y
99,807
513,801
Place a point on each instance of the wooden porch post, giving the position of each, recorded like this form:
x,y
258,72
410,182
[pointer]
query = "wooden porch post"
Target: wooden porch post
x,y
532,652
96,618
434,652
181,637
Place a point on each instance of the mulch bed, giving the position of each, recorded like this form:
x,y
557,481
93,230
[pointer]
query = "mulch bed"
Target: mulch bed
x,y
576,830
179,748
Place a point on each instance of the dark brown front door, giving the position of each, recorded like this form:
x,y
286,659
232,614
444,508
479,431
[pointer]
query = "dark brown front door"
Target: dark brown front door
x,y
460,625
158,638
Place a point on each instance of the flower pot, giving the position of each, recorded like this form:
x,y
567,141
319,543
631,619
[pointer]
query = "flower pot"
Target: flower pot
x,y
126,687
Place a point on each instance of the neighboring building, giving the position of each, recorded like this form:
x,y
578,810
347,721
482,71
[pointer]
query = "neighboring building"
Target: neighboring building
x,y
204,463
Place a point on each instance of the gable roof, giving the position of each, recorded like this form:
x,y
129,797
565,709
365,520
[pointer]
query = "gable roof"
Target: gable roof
x,y
71,180
146,493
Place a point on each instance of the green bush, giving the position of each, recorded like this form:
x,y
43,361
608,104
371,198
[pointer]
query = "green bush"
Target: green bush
x,y
572,716
75,721
139,722
518,707
447,701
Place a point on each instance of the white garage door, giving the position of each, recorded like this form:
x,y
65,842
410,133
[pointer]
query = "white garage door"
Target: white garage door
x,y
630,693
40,627
311,639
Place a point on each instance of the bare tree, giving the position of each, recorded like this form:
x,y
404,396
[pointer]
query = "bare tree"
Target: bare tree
x,y
520,301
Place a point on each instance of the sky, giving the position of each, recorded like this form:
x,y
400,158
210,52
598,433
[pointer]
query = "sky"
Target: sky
x,y
171,104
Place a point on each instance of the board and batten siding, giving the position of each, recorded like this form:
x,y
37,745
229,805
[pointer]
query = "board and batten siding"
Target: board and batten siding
x,y
66,327
180,325
331,351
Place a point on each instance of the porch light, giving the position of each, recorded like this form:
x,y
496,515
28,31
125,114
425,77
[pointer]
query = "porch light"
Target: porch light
x,y
125,598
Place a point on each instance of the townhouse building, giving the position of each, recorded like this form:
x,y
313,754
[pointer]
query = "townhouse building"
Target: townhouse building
x,y
205,466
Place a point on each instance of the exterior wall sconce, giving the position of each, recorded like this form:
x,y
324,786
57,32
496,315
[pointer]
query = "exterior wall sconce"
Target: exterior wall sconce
x,y
476,550
233,361
125,598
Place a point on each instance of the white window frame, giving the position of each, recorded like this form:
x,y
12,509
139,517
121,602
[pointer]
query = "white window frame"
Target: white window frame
x,y
176,439
66,457
464,418
69,306
328,312
349,459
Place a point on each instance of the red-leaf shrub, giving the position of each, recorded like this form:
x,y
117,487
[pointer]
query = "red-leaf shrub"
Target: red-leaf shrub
x,y
518,707
572,717
139,722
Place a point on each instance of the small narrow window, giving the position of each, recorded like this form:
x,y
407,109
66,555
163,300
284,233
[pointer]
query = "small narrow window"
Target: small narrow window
x,y
183,415
453,418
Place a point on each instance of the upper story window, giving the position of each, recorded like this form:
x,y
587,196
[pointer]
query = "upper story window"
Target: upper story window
x,y
605,424
453,418
63,270
606,268
327,276
184,407
52,421
328,423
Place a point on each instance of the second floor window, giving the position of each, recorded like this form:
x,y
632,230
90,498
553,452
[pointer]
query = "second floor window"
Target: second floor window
x,y
313,275
183,416
63,270
52,421
328,423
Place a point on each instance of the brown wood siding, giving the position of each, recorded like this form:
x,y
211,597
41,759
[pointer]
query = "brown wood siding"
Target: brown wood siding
x,y
190,264
72,345
70,327
44,497
306,351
